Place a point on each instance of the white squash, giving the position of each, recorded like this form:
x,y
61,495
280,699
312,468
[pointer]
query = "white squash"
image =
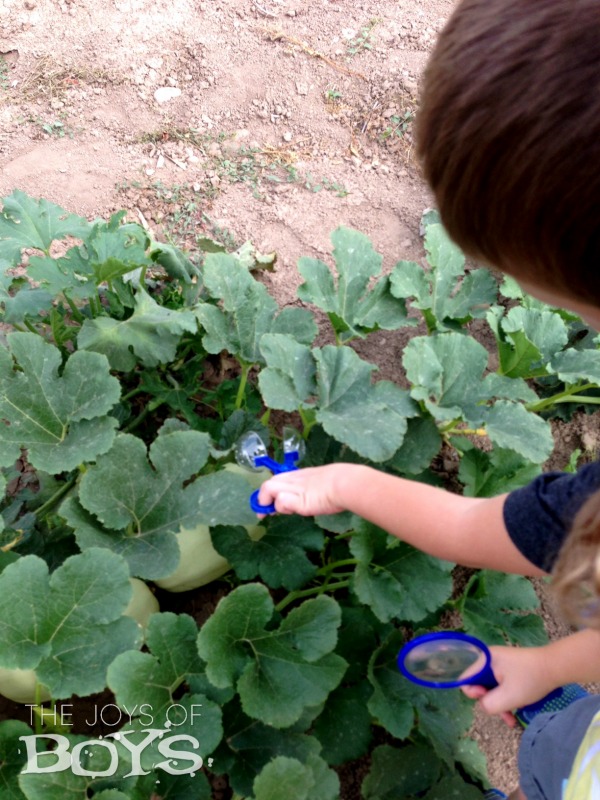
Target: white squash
x,y
142,604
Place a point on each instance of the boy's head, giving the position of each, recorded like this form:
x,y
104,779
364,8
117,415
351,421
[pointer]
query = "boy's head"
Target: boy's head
x,y
509,137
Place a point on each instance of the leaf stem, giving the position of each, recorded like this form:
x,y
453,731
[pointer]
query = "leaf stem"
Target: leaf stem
x,y
243,382
77,315
307,422
58,495
31,327
569,395
345,562
297,595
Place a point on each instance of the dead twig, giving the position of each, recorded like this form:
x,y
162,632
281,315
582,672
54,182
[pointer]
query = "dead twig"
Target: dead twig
x,y
262,10
276,36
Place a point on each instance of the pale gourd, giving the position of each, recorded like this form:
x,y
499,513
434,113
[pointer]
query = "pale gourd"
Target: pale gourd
x,y
199,562
142,604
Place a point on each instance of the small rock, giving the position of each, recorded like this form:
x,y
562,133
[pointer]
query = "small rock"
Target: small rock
x,y
301,88
287,136
154,63
166,93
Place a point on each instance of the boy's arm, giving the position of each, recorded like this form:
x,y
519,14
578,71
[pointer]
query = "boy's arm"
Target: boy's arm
x,y
467,530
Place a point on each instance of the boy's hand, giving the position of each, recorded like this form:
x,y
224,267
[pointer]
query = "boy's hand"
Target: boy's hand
x,y
522,677
308,492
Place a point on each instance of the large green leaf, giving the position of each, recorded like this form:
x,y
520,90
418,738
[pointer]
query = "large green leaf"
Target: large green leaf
x,y
395,580
573,366
249,745
490,474
447,375
445,294
59,416
25,222
278,671
135,506
369,418
344,725
12,757
444,718
279,557
496,611
354,306
246,312
146,683
400,773
288,777
68,626
151,334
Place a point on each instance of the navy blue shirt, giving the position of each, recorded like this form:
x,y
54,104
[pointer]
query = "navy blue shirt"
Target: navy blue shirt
x,y
538,517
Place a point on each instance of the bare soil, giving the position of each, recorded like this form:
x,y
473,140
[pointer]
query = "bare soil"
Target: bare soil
x,y
269,120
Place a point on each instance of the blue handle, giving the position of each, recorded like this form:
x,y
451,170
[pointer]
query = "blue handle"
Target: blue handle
x,y
289,464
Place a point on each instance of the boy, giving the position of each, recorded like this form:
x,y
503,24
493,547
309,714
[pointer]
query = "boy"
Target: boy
x,y
509,138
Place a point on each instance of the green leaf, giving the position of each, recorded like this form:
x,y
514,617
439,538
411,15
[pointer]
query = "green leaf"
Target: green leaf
x,y
140,505
370,418
152,332
511,426
113,249
288,381
446,372
143,681
344,726
453,788
174,261
573,366
543,328
421,444
400,773
495,612
287,777
60,417
354,307
279,672
250,745
12,757
171,787
444,293
394,579
25,222
245,313
490,474
443,717
447,376
153,677
279,557
68,626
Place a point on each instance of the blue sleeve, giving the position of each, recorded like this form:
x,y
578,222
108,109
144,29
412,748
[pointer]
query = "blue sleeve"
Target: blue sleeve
x,y
538,517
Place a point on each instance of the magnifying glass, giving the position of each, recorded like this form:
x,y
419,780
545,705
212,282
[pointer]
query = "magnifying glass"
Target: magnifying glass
x,y
449,659
251,452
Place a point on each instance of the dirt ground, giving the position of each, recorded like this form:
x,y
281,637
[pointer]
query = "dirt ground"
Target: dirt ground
x,y
269,120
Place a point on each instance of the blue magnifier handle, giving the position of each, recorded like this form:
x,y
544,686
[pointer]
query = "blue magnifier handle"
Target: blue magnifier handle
x,y
289,464
258,508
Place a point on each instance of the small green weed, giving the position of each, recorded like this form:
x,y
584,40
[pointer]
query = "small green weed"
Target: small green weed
x,y
4,82
398,125
362,41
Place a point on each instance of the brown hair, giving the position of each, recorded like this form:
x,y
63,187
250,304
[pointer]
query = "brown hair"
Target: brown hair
x,y
577,570
509,137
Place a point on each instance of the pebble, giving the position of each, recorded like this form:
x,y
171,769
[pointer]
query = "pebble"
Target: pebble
x,y
166,93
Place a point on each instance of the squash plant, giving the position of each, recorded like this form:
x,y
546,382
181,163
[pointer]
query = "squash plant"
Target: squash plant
x,y
128,370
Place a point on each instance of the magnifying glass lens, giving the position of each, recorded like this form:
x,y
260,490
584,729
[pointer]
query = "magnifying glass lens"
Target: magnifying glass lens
x,y
249,447
443,661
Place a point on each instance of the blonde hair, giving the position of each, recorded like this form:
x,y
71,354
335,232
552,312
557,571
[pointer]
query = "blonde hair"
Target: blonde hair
x,y
577,569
